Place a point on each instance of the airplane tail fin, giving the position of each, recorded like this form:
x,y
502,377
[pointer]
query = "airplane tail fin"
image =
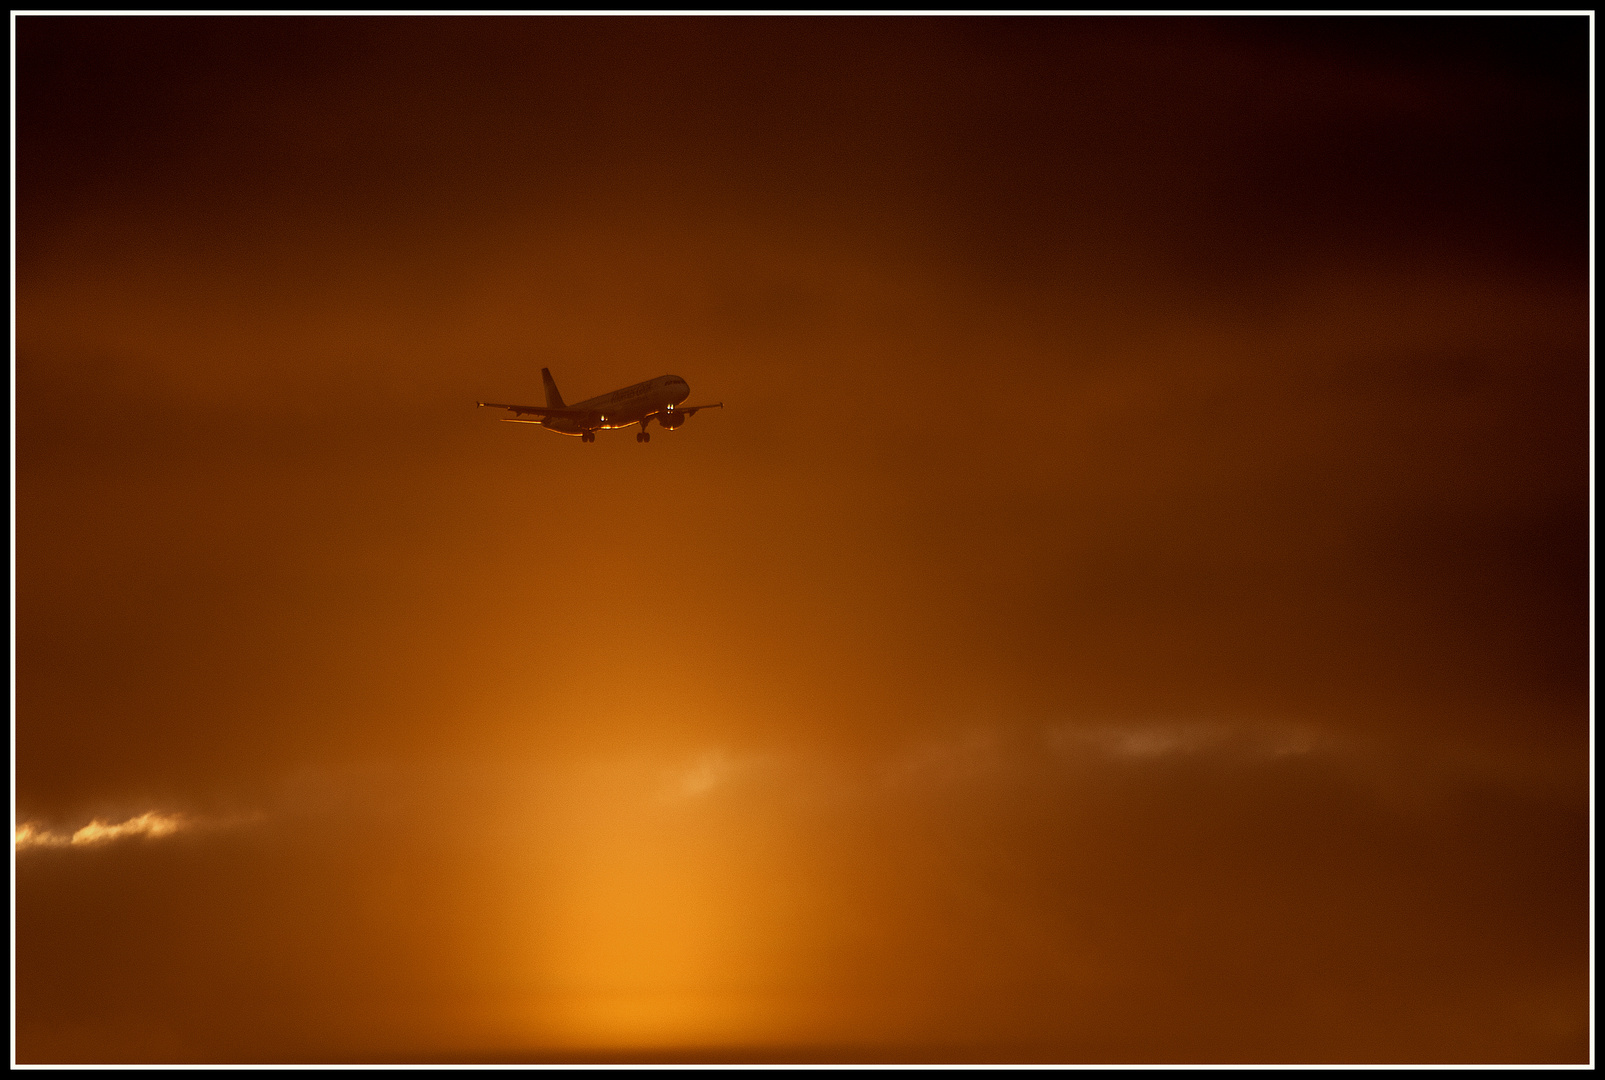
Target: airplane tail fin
x,y
554,400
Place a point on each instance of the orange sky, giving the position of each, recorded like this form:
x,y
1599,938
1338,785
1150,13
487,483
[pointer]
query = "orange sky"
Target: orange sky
x,y
1131,608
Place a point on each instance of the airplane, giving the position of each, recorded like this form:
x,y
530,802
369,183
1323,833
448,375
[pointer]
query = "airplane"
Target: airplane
x,y
636,404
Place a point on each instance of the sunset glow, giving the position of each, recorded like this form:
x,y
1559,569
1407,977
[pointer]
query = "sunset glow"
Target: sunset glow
x,y
1130,607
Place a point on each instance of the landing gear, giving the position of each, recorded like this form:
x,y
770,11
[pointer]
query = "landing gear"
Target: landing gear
x,y
589,436
643,436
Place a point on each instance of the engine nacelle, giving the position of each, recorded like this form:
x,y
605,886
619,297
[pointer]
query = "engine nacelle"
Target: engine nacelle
x,y
671,420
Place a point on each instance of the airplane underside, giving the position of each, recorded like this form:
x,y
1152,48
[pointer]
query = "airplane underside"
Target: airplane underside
x,y
588,433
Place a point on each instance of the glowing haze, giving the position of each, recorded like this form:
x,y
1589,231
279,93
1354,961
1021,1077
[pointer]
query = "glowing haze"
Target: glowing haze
x,y
1131,608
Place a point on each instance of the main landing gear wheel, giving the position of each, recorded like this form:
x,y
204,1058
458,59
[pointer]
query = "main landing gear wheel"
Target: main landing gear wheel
x,y
643,436
589,436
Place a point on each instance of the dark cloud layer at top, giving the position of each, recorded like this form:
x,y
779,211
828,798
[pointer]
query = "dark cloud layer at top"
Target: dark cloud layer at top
x,y
1094,387
1241,147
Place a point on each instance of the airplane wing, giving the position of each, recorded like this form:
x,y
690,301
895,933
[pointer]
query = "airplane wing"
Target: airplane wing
x,y
538,410
690,410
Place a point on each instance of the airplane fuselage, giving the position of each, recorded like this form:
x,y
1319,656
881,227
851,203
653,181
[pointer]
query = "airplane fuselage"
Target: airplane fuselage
x,y
623,408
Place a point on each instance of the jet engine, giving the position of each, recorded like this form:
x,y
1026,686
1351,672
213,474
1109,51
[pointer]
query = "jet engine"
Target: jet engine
x,y
671,420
